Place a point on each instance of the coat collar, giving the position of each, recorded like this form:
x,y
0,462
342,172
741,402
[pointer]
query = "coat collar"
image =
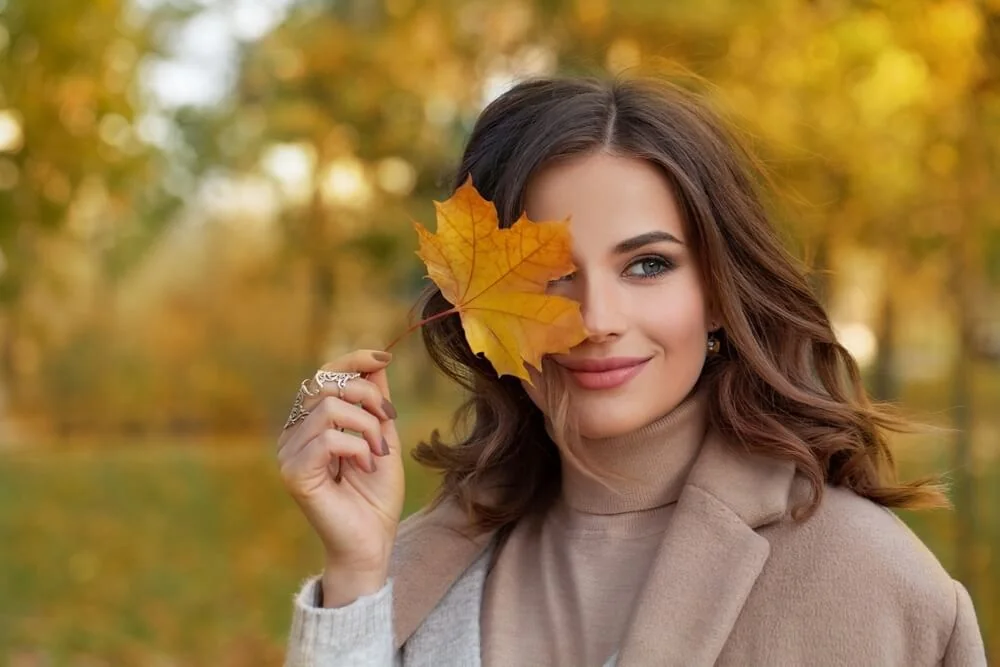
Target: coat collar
x,y
708,561
433,548
709,558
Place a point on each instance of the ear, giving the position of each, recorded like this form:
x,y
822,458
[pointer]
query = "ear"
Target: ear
x,y
713,318
713,322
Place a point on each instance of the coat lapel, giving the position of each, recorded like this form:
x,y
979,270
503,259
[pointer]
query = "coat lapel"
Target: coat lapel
x,y
451,635
432,551
709,558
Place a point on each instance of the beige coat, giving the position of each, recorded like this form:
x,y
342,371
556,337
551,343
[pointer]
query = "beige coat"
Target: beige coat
x,y
736,582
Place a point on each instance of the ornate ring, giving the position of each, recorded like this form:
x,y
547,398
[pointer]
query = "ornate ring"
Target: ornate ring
x,y
339,378
298,412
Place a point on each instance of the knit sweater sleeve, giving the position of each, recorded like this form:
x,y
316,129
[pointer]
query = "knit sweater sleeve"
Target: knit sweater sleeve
x,y
357,634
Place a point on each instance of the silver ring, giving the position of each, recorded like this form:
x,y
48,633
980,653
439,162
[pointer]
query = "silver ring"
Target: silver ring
x,y
304,388
337,377
298,412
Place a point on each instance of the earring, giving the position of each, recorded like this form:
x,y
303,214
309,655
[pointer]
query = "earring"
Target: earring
x,y
713,344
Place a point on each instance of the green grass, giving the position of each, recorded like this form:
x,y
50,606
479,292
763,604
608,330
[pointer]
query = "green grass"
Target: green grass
x,y
189,556
183,555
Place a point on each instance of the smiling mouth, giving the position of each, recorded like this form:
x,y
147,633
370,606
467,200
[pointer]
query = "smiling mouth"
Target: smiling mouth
x,y
604,373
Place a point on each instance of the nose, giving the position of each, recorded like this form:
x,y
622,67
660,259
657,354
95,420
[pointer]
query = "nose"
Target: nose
x,y
600,306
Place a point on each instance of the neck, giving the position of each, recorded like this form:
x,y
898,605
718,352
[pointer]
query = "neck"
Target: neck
x,y
641,470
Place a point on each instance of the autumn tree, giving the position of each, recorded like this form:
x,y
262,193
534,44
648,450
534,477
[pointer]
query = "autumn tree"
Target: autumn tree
x,y
79,192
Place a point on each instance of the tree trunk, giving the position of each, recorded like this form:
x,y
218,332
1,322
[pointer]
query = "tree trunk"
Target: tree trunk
x,y
322,282
963,462
885,384
8,433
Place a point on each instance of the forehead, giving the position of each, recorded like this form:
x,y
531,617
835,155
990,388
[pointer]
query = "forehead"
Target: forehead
x,y
608,198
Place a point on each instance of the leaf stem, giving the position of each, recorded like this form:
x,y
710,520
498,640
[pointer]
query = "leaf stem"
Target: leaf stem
x,y
419,324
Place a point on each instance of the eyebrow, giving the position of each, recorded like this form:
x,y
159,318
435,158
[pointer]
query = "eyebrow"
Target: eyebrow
x,y
636,242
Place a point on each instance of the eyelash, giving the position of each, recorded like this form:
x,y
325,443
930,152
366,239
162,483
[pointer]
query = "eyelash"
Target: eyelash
x,y
665,266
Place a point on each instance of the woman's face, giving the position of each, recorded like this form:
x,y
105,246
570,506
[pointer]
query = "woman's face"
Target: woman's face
x,y
639,287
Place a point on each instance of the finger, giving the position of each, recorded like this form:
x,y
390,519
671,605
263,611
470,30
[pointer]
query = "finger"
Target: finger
x,y
333,413
380,379
360,361
324,449
357,390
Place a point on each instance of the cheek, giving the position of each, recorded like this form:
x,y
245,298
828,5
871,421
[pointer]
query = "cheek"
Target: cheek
x,y
535,391
677,321
545,385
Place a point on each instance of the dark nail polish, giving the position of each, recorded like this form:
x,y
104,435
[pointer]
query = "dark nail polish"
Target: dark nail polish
x,y
388,409
379,355
385,447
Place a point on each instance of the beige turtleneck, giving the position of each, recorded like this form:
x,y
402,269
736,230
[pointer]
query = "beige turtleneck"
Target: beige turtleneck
x,y
561,590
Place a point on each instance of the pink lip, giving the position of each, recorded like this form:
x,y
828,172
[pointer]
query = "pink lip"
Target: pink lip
x,y
604,373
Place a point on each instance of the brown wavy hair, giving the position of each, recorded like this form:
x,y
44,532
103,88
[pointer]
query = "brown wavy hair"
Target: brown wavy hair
x,y
781,385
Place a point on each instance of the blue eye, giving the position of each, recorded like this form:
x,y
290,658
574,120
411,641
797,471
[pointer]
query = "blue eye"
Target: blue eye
x,y
649,267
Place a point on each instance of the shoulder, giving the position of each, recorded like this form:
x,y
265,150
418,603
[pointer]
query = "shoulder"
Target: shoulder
x,y
856,581
860,555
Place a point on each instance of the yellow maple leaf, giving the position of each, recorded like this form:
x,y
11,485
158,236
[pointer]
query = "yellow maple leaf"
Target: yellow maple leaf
x,y
496,280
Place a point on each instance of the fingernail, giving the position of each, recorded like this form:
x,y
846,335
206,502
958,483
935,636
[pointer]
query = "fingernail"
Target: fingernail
x,y
385,446
372,458
381,356
388,408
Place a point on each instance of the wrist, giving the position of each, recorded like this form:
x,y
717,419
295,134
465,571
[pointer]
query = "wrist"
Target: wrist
x,y
341,586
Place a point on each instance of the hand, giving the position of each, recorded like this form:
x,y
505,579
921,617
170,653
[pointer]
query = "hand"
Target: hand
x,y
356,518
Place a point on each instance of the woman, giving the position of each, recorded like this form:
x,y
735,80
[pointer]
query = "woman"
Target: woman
x,y
701,481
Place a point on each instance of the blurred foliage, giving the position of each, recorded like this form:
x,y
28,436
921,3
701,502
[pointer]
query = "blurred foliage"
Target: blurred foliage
x,y
167,273
170,554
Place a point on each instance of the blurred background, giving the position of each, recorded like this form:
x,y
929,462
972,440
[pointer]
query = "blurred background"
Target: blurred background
x,y
202,200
